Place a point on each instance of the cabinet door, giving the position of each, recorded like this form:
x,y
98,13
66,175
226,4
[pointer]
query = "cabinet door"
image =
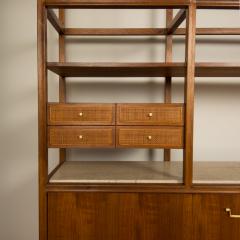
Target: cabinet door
x,y
119,216
211,221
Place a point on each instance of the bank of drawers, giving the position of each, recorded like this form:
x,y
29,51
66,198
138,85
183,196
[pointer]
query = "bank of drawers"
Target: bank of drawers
x,y
115,125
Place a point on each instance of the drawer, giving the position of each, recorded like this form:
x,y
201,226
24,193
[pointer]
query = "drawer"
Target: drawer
x,y
81,137
150,137
150,114
119,216
81,114
211,221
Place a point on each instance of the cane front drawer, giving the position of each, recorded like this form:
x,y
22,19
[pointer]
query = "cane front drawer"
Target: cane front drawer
x,y
150,137
81,137
81,114
150,114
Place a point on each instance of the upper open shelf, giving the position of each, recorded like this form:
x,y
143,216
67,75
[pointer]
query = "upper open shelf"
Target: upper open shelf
x,y
73,69
206,4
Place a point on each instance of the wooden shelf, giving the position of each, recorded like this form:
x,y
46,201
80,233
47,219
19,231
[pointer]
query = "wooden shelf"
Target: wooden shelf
x,y
117,3
205,4
73,69
146,172
218,4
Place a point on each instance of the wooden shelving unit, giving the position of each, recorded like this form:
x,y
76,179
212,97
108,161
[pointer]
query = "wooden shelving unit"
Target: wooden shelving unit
x,y
132,200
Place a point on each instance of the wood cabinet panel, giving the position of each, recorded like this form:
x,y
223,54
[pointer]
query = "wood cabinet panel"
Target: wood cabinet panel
x,y
81,114
81,137
150,114
211,221
119,216
150,137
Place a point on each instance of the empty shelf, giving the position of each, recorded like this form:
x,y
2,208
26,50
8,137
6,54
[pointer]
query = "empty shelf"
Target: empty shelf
x,y
118,172
216,173
142,69
206,4
116,3
146,172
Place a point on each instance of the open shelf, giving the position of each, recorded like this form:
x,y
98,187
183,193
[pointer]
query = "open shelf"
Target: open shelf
x,y
203,4
117,4
146,172
73,69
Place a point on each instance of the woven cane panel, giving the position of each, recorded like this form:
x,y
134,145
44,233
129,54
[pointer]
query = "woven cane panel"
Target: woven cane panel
x,y
81,114
64,137
150,137
150,114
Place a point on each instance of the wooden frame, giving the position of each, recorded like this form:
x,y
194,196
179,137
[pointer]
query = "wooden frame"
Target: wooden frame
x,y
169,69
42,118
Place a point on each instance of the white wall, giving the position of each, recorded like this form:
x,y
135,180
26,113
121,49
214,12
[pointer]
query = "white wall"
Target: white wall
x,y
217,100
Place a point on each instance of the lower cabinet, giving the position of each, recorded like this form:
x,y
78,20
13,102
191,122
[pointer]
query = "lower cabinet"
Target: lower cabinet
x,y
119,216
143,216
211,221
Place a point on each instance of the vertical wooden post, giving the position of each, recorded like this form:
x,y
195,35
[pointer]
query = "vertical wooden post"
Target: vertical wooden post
x,y
168,80
62,81
42,118
189,93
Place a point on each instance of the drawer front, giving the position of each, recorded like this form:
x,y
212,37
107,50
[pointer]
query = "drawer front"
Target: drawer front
x,y
81,137
150,137
81,114
119,216
211,221
150,114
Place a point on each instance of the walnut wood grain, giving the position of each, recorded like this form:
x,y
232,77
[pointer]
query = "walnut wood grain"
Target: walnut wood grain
x,y
116,69
81,137
42,116
116,3
150,137
210,218
202,4
145,31
150,114
114,31
62,80
119,216
177,21
168,80
189,95
81,114
210,31
204,69
218,4
53,19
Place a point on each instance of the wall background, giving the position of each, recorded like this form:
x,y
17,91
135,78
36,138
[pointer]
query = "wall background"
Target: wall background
x,y
217,100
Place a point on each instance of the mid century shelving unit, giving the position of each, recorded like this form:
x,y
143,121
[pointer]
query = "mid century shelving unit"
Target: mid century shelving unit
x,y
132,200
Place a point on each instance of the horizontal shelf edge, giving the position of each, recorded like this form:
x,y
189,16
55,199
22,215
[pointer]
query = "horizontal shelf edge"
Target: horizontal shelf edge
x,y
175,69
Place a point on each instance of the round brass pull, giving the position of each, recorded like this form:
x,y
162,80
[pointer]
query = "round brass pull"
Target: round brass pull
x,y
150,114
80,114
229,211
149,137
80,137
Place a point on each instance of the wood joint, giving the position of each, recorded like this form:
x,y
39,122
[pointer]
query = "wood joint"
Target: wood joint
x,y
176,22
53,19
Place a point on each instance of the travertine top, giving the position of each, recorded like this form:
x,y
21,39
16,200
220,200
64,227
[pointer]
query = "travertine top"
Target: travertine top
x,y
145,172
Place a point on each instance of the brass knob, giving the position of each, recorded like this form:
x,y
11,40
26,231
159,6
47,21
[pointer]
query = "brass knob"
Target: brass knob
x,y
149,137
80,114
80,136
150,114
